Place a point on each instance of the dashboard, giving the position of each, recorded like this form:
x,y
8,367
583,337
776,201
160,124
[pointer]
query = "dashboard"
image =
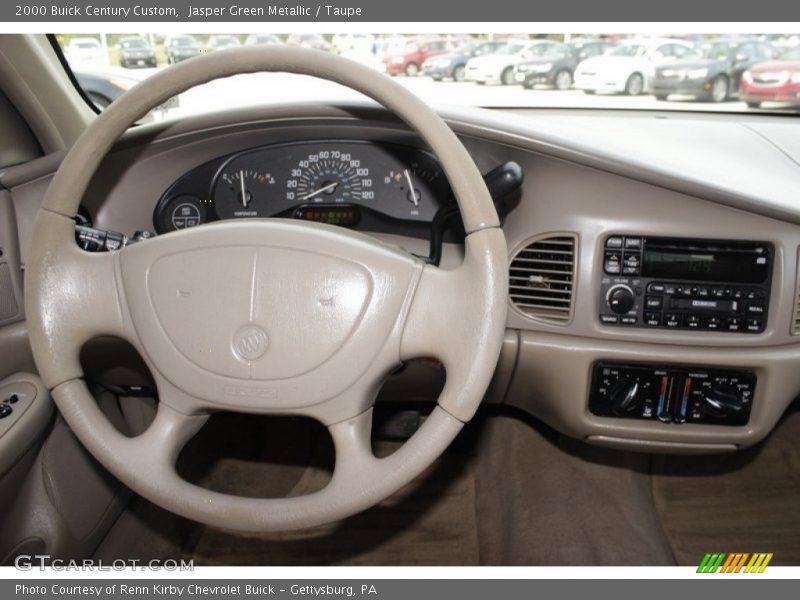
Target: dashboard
x,y
629,307
350,183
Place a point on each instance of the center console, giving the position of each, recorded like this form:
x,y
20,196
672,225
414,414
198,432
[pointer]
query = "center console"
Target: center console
x,y
687,284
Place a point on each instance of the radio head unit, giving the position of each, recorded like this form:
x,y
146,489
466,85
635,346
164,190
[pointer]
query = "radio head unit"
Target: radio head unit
x,y
689,284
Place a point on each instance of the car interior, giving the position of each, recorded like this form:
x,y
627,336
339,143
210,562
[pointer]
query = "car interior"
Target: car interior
x,y
381,332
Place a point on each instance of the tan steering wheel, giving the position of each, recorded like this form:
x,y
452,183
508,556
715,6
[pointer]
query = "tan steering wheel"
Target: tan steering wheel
x,y
266,316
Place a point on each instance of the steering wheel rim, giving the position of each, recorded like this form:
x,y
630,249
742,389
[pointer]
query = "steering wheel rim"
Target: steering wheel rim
x,y
366,306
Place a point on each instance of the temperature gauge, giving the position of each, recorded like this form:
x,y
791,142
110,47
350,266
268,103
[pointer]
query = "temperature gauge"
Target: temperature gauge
x,y
242,192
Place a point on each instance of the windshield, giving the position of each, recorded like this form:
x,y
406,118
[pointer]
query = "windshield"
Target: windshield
x,y
580,76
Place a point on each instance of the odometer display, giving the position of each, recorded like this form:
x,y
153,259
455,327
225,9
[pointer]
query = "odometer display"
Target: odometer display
x,y
329,177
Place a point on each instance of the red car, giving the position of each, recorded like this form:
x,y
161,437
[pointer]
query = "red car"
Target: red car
x,y
308,40
773,81
410,59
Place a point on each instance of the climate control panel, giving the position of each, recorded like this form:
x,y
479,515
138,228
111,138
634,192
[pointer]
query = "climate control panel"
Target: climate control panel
x,y
672,394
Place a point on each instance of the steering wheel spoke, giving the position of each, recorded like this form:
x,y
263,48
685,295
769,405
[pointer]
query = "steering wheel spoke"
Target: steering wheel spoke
x,y
453,319
77,294
157,447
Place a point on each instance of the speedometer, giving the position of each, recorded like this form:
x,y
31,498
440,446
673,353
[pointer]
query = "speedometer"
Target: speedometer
x,y
329,176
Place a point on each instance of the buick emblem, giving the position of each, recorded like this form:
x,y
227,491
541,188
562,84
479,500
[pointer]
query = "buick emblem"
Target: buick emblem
x,y
250,342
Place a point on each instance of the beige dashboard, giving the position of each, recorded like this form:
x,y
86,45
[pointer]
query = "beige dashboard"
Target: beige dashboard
x,y
546,367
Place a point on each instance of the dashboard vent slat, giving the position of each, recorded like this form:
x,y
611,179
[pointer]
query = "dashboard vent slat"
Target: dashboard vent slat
x,y
542,278
796,314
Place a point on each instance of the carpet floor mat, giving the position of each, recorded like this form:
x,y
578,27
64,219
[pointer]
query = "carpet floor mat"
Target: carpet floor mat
x,y
743,502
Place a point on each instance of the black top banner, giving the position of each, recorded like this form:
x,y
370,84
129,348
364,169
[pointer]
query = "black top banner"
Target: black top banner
x,y
392,11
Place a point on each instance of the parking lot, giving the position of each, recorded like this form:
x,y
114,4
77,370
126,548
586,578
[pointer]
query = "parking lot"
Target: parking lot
x,y
717,69
271,88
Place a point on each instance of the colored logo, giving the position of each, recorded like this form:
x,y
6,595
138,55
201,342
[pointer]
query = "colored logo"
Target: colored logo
x,y
739,562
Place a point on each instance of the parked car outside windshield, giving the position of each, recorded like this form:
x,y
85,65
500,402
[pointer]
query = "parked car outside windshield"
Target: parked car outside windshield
x,y
556,67
712,71
180,47
136,52
628,68
774,81
516,70
453,64
499,67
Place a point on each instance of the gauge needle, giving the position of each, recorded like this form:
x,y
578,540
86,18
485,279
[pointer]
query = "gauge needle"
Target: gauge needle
x,y
244,190
320,190
411,190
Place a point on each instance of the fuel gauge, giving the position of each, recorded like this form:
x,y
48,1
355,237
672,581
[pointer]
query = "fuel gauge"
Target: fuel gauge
x,y
411,184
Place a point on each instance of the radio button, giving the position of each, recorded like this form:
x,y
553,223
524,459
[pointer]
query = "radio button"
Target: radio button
x,y
609,319
654,302
733,324
755,308
718,292
670,289
629,320
635,243
632,260
655,288
652,319
712,323
630,270
612,263
755,295
754,325
614,242
693,321
703,292
672,320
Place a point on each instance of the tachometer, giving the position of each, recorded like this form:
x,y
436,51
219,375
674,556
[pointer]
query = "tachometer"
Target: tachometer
x,y
329,176
243,191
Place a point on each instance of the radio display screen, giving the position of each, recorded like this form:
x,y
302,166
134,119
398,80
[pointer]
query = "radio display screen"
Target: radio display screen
x,y
697,264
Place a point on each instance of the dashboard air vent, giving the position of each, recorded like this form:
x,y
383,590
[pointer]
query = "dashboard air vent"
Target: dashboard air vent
x,y
796,314
542,278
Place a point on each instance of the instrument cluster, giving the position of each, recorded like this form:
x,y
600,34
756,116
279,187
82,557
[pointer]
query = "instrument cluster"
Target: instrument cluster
x,y
358,184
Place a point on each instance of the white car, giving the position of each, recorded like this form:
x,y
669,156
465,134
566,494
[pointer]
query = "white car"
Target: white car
x,y
85,50
629,67
499,66
358,42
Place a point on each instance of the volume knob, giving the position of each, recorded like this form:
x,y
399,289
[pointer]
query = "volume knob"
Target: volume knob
x,y
620,299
